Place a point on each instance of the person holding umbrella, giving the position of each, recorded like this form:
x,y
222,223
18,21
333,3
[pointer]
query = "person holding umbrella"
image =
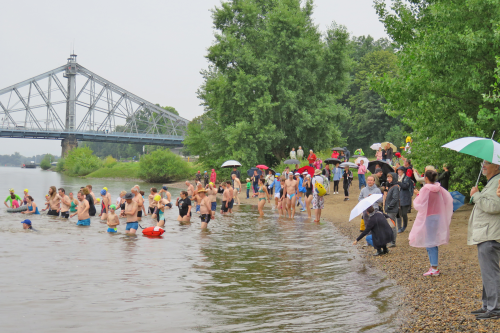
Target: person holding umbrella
x,y
378,154
337,174
391,202
388,153
255,181
380,230
335,154
348,177
405,195
432,224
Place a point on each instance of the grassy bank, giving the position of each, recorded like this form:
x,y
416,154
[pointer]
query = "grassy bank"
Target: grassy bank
x,y
119,170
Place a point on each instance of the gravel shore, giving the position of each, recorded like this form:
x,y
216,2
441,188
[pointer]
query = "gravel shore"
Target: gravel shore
x,y
430,304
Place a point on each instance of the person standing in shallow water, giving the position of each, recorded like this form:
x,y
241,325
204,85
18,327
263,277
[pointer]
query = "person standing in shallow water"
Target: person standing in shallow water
x,y
82,210
432,224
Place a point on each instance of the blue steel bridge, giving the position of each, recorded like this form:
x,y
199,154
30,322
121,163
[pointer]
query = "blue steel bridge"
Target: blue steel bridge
x,y
88,109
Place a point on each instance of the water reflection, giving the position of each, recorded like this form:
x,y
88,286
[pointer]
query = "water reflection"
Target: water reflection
x,y
245,273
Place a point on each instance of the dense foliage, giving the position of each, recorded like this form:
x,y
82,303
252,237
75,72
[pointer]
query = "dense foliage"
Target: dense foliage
x,y
272,84
45,163
163,166
445,63
368,122
17,159
81,161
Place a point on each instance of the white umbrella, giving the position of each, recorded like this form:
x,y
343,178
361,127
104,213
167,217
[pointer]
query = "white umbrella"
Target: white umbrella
x,y
362,158
376,146
349,164
231,164
363,205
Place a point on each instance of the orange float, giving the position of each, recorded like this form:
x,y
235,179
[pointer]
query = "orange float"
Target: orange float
x,y
153,231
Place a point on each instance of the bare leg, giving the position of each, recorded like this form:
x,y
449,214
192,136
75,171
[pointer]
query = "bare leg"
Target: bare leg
x,y
294,201
161,223
308,205
261,207
287,207
204,225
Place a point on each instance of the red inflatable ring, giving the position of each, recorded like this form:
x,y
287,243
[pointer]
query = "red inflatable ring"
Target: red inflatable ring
x,y
153,231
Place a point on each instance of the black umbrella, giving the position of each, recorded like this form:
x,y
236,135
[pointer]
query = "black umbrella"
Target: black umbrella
x,y
292,161
386,168
272,170
332,161
338,149
251,170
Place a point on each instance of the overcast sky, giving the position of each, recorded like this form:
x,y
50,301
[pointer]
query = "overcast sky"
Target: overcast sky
x,y
152,48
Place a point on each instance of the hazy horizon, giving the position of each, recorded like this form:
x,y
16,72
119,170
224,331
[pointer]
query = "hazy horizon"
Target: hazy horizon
x,y
155,50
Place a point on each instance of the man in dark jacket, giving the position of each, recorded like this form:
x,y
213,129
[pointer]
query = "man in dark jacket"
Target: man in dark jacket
x,y
381,232
392,202
405,194
444,178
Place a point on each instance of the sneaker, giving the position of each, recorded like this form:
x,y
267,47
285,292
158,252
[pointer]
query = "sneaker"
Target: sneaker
x,y
391,245
478,312
432,272
488,315
302,210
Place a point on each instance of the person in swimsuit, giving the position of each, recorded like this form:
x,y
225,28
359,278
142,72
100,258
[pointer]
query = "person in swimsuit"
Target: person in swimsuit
x,y
83,210
27,225
237,188
74,202
151,199
159,213
231,196
65,203
121,203
226,198
11,197
190,190
139,200
184,204
263,194
309,194
165,193
104,205
112,219
212,195
25,200
292,187
32,208
90,200
54,202
281,201
206,212
131,209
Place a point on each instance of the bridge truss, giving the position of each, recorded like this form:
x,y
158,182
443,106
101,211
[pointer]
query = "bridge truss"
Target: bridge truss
x,y
91,107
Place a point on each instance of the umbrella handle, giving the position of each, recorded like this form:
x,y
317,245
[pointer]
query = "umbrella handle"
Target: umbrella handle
x,y
482,164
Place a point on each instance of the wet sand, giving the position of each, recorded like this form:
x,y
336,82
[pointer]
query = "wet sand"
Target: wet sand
x,y
430,304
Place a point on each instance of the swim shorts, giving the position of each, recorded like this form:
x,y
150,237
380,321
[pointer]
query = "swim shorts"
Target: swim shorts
x,y
231,203
139,213
85,222
151,210
112,230
132,225
169,205
277,195
197,208
205,218
214,206
53,212
65,215
224,208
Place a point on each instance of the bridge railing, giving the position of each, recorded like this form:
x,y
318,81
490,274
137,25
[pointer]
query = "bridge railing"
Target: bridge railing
x,y
100,133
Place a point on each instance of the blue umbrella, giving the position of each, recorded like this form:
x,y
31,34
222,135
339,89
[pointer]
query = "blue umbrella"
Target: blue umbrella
x,y
458,200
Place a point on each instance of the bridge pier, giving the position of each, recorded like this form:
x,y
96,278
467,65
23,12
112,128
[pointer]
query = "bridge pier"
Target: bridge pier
x,y
67,144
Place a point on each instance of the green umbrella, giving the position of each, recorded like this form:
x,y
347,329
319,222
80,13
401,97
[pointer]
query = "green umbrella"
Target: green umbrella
x,y
486,149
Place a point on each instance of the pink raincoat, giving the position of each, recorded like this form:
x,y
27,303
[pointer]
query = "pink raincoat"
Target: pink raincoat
x,y
213,176
432,225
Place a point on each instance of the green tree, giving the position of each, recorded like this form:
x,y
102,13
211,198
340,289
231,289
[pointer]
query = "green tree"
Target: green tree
x,y
169,109
272,84
163,166
445,63
81,161
45,163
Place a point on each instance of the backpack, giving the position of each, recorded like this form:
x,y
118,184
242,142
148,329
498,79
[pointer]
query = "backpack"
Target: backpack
x,y
320,189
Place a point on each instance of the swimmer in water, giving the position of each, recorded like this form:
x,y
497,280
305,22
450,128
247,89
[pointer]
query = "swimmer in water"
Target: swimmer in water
x,y
206,212
159,210
139,201
104,206
27,225
54,202
263,195
82,210
65,203
184,204
73,202
32,208
131,210
112,219
11,197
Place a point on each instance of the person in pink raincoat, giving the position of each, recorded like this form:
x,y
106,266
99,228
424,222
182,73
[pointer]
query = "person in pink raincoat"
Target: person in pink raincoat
x,y
432,224
213,176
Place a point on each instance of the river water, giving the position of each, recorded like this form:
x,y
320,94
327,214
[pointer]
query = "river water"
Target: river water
x,y
245,274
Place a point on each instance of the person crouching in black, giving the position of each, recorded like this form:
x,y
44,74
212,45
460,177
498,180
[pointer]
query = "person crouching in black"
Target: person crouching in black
x,y
381,232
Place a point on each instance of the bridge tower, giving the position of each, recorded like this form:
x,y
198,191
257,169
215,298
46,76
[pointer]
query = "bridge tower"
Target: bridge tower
x,y
71,71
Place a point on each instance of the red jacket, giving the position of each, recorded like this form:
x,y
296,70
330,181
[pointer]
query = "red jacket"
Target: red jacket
x,y
311,158
335,154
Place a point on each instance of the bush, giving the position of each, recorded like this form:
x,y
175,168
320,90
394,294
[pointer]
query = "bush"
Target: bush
x,y
45,164
60,165
163,166
81,162
110,162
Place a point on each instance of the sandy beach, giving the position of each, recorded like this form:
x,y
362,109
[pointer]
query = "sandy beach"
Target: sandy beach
x,y
431,304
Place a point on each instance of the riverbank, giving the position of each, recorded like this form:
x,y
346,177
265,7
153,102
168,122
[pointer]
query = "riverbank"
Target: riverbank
x,y
429,304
